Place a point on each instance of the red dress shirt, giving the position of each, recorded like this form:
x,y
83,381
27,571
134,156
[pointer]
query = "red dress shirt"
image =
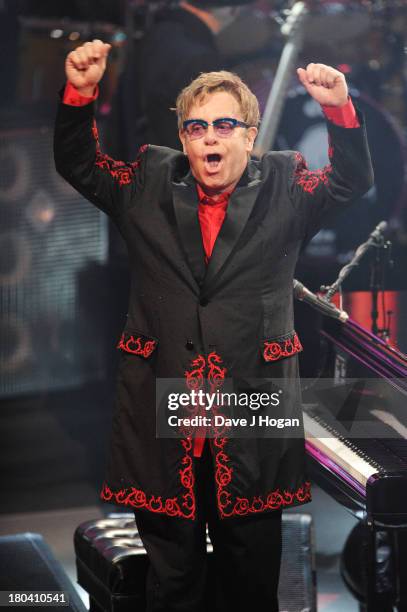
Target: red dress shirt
x,y
74,98
211,212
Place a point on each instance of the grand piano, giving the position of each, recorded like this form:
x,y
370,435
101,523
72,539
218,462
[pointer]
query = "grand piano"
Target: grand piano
x,y
355,419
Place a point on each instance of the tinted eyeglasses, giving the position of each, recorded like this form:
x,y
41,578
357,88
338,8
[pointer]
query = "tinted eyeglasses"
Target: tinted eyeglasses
x,y
196,128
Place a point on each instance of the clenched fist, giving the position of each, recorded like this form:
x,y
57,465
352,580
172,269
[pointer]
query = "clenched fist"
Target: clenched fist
x,y
84,67
325,84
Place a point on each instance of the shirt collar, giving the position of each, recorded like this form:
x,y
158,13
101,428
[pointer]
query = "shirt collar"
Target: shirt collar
x,y
222,200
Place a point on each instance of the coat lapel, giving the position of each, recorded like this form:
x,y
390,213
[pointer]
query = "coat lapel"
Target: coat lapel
x,y
185,200
241,204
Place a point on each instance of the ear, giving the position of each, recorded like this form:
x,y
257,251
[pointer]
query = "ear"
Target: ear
x,y
182,139
251,134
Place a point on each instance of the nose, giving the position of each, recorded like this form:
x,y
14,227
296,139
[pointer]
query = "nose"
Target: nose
x,y
210,135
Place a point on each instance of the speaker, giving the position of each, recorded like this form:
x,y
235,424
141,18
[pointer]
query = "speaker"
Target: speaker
x,y
48,235
28,564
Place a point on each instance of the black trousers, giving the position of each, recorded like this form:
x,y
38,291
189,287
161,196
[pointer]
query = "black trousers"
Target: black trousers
x,y
247,555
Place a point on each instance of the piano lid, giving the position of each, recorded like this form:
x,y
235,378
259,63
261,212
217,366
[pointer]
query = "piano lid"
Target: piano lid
x,y
377,355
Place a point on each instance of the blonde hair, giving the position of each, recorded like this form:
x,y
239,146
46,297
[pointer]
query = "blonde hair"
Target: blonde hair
x,y
210,82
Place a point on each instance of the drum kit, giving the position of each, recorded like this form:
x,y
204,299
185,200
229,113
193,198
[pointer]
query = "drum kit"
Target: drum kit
x,y
367,41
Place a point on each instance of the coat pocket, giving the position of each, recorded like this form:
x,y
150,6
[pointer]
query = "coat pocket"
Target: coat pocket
x,y
135,342
282,346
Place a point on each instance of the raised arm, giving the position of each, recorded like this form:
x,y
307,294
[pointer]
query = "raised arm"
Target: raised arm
x,y
109,184
316,193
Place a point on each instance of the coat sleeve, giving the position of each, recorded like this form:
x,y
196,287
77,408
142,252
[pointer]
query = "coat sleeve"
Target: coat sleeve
x,y
316,194
109,184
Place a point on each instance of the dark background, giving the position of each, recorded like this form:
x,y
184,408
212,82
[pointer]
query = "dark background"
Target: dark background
x,y
63,270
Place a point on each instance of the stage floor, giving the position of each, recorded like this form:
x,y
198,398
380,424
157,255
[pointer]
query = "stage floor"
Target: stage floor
x,y
57,528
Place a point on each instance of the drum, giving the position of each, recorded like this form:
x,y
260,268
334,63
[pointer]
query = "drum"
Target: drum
x,y
302,128
251,29
337,21
44,45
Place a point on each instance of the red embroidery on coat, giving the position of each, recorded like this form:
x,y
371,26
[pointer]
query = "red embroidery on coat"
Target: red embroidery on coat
x,y
241,506
216,378
277,349
186,505
216,374
172,506
195,377
309,180
194,381
137,346
121,171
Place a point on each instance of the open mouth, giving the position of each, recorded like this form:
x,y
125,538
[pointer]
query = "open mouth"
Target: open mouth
x,y
213,160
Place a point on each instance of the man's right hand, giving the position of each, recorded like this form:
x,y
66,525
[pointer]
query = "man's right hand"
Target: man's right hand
x,y
85,66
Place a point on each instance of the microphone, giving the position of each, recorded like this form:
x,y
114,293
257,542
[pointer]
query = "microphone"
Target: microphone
x,y
319,303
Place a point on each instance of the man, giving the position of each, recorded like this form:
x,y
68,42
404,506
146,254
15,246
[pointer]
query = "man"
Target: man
x,y
213,239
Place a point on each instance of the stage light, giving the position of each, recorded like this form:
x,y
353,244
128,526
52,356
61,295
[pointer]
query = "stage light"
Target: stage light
x,y
56,33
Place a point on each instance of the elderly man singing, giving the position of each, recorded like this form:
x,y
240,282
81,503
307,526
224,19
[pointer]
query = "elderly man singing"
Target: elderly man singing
x,y
213,238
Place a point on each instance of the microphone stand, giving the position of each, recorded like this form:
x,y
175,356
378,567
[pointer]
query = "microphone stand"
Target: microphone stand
x,y
293,29
381,258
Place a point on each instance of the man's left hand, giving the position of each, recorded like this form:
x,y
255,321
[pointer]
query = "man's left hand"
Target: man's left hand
x,y
325,84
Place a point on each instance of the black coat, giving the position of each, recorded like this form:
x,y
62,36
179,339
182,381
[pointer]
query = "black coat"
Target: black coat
x,y
231,320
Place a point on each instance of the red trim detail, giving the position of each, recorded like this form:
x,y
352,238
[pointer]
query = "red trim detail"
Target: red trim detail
x,y
195,378
240,506
309,180
121,171
194,381
216,374
137,346
277,349
136,498
216,377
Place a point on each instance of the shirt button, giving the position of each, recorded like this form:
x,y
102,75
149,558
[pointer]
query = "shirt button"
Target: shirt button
x,y
203,302
189,345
